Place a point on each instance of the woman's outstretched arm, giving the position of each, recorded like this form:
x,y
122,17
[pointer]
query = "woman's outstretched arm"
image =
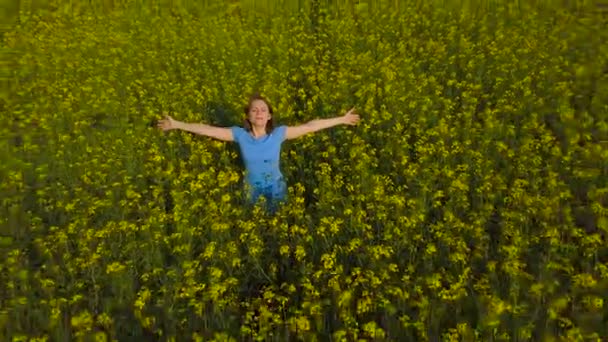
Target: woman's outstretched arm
x,y
350,118
220,133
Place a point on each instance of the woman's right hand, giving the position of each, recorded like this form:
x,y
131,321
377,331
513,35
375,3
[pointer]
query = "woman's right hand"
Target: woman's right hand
x,y
167,123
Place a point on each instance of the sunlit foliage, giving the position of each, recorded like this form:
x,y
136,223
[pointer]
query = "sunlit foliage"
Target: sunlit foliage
x,y
471,203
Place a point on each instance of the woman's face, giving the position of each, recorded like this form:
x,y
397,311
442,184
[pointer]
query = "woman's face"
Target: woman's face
x,y
259,113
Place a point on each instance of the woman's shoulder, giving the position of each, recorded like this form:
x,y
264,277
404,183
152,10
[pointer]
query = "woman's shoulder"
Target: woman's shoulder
x,y
280,131
237,132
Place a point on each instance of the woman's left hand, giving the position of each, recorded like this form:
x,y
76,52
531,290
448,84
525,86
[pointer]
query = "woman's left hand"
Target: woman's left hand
x,y
351,117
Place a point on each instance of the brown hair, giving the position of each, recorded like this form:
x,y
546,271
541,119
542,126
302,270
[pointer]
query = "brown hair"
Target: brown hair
x,y
269,124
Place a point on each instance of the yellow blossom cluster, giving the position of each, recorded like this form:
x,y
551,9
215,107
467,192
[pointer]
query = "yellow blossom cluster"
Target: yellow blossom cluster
x,y
469,204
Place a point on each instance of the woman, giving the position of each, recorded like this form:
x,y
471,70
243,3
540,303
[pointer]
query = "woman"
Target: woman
x,y
260,144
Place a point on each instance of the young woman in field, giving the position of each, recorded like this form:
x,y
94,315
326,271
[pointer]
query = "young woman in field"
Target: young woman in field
x,y
260,144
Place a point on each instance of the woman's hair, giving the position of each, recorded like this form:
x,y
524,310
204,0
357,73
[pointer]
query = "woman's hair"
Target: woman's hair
x,y
269,124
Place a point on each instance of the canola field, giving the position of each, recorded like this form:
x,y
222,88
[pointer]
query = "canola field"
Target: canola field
x,y
469,204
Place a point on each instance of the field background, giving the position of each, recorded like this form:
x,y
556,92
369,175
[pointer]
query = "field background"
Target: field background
x,y
470,204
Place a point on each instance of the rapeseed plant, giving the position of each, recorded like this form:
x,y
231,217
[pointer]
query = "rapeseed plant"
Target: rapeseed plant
x,y
461,209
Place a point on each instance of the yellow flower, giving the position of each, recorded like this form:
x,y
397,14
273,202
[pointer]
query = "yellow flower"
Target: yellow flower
x,y
82,320
299,324
115,267
327,261
284,250
300,253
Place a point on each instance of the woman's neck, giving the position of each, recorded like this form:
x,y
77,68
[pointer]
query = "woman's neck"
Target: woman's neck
x,y
258,131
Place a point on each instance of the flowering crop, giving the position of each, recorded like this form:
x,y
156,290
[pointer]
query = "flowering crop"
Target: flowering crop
x,y
471,202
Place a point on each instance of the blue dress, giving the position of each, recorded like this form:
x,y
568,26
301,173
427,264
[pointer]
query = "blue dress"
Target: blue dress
x,y
261,158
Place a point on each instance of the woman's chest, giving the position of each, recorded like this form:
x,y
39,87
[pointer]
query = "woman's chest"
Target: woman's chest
x,y
260,152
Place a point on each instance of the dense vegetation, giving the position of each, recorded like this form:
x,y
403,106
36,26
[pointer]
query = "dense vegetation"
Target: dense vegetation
x,y
471,203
